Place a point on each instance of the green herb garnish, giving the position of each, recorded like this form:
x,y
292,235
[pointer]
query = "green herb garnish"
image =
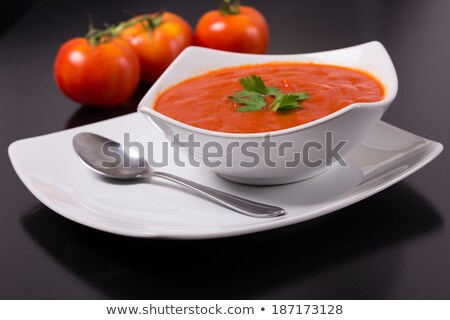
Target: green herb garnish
x,y
251,97
250,101
288,101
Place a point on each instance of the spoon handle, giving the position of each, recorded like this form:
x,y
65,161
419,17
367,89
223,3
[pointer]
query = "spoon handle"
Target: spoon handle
x,y
241,205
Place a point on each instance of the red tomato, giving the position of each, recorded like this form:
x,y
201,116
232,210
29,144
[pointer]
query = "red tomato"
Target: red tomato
x,y
233,28
101,75
157,40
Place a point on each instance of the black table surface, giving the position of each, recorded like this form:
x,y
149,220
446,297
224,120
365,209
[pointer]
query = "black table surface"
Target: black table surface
x,y
393,245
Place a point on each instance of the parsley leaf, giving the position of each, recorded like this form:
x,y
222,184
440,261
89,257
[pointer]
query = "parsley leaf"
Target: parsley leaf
x,y
272,91
254,90
288,101
250,101
253,83
246,93
301,95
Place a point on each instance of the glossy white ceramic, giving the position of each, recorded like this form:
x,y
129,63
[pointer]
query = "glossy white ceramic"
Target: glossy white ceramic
x,y
51,170
350,124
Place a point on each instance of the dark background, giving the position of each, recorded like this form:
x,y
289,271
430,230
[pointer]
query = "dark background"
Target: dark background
x,y
394,245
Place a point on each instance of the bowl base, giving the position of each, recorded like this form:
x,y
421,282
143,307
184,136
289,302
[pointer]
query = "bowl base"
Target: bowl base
x,y
271,181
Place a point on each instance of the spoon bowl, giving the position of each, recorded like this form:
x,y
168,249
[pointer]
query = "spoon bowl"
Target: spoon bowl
x,y
109,158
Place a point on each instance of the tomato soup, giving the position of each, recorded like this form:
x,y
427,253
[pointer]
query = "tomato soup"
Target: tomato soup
x,y
204,101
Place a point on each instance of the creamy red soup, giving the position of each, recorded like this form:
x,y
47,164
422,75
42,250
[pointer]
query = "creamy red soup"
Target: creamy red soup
x,y
204,101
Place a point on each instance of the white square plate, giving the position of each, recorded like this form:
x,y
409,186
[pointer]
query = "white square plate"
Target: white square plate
x,y
50,169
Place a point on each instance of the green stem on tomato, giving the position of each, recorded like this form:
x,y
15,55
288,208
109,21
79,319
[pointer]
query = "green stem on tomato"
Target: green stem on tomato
x,y
148,21
228,7
96,36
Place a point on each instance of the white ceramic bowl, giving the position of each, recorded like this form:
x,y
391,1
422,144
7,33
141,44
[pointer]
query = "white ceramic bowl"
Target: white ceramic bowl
x,y
350,124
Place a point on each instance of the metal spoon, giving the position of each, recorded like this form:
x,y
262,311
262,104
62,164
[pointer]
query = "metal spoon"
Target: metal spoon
x,y
109,159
